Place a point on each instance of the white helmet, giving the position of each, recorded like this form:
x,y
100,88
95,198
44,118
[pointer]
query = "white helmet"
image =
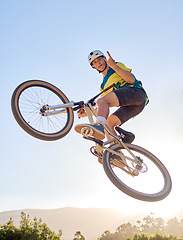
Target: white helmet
x,y
95,54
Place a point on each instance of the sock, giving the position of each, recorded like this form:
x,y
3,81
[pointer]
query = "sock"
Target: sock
x,y
101,120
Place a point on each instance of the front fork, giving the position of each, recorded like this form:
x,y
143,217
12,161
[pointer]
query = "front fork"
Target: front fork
x,y
48,110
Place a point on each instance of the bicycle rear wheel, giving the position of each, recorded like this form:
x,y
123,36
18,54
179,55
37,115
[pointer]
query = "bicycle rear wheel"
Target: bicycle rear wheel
x,y
27,100
150,182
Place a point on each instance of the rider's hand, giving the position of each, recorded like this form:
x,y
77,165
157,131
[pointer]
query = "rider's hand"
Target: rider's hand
x,y
110,62
81,113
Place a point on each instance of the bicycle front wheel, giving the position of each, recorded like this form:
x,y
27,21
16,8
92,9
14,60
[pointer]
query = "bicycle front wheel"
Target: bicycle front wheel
x,y
149,181
27,100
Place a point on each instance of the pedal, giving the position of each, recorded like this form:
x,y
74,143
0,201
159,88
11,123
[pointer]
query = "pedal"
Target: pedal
x,y
86,131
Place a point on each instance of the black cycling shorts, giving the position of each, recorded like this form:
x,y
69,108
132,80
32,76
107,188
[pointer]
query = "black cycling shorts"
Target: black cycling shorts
x,y
131,101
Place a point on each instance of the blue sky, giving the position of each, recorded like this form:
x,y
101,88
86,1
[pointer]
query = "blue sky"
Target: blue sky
x,y
50,40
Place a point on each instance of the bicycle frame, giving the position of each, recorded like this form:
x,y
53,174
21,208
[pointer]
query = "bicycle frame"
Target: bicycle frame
x,y
90,111
114,139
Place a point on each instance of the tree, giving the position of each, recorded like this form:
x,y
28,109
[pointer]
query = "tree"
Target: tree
x,y
152,225
174,227
127,230
78,236
28,230
140,236
9,231
106,236
157,236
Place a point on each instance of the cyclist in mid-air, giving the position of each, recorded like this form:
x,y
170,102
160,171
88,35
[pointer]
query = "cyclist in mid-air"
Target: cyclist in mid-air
x,y
128,94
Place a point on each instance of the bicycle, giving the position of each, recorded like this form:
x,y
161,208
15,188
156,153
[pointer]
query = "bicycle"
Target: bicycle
x,y
45,112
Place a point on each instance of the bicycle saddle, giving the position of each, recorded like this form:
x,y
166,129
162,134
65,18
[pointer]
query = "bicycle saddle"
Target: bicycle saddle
x,y
128,137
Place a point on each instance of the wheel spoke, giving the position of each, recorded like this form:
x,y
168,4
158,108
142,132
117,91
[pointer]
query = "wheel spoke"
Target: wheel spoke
x,y
31,101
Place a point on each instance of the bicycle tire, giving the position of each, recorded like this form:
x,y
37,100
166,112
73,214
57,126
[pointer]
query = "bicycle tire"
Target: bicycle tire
x,y
153,161
26,102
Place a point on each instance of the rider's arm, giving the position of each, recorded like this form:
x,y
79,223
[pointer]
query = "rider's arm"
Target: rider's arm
x,y
127,76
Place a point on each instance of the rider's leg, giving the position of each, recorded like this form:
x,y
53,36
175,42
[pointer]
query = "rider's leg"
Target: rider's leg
x,y
112,122
131,100
104,103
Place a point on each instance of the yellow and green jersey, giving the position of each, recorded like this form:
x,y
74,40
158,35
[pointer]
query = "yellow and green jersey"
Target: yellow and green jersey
x,y
112,77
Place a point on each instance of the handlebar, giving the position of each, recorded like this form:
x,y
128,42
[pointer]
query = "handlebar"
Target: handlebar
x,y
80,104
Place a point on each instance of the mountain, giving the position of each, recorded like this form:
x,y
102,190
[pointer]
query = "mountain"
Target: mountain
x,y
91,222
